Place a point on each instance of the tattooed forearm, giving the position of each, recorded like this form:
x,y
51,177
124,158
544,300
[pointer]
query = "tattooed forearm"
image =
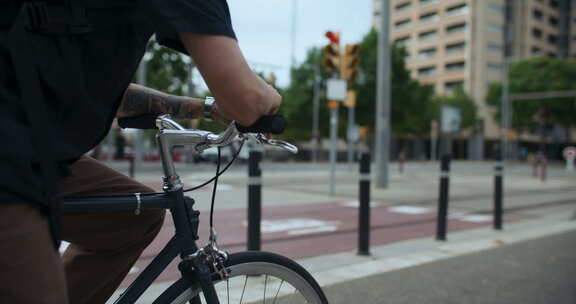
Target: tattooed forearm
x,y
139,100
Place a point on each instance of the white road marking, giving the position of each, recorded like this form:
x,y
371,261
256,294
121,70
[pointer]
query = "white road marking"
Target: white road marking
x,y
409,209
456,215
297,226
313,230
475,218
356,204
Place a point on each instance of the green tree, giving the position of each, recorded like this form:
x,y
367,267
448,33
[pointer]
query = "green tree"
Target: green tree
x,y
411,101
166,70
540,74
460,100
298,99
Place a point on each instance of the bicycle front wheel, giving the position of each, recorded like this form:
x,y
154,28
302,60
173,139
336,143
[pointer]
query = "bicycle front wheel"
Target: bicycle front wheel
x,y
255,277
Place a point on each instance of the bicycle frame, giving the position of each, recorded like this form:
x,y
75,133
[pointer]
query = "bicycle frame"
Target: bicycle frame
x,y
198,265
185,218
183,243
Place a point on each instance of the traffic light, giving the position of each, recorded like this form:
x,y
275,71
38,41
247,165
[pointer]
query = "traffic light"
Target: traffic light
x,y
331,60
364,132
350,101
350,62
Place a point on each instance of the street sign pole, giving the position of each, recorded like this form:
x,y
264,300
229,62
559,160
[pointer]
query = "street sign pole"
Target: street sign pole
x,y
352,138
333,144
351,124
316,114
382,156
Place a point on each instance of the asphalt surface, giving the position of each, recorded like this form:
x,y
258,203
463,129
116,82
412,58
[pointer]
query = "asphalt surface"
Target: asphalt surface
x,y
539,271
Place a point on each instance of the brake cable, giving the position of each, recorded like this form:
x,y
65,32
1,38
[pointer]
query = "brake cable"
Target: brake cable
x,y
214,191
218,173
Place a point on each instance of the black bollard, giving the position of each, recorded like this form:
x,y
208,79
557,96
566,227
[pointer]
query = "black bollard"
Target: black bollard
x,y
364,208
498,181
443,198
254,200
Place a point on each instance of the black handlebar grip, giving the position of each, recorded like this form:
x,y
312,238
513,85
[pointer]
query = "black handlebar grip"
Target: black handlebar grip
x,y
144,122
274,124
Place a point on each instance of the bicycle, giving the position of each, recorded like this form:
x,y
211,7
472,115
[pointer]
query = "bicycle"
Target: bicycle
x,y
208,270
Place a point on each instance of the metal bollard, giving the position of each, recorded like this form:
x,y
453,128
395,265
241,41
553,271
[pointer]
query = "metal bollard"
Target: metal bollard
x,y
443,198
498,181
364,206
254,200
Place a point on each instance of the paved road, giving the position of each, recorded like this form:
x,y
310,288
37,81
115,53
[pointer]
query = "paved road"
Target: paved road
x,y
540,271
314,229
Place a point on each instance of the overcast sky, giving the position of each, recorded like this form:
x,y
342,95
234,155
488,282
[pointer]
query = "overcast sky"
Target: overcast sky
x,y
264,28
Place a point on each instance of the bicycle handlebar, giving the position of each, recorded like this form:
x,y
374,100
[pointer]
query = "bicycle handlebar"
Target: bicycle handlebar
x,y
143,122
275,124
176,135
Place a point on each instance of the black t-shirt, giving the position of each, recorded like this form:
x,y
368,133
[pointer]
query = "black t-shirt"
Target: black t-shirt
x,y
98,67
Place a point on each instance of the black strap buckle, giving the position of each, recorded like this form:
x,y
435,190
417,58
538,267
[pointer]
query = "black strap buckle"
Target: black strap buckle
x,y
37,13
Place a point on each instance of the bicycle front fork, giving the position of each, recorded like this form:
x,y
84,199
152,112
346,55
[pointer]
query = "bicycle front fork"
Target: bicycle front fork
x,y
204,268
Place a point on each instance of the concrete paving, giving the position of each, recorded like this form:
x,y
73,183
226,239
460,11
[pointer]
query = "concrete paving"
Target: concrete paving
x,y
537,271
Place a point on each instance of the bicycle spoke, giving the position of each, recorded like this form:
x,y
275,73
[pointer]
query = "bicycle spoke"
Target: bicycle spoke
x,y
243,289
265,284
277,292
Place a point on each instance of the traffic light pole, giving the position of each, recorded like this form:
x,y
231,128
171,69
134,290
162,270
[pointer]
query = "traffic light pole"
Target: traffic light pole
x,y
351,125
383,99
332,64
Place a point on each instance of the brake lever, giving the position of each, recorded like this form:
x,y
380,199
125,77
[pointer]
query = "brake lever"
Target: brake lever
x,y
284,145
222,139
262,139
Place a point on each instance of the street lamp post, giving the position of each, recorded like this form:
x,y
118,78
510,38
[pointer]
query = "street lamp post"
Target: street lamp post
x,y
294,20
382,133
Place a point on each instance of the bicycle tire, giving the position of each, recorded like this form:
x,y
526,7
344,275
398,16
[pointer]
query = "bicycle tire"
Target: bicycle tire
x,y
253,265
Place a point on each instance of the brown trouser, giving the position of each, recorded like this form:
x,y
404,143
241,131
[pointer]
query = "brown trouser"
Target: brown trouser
x,y
104,245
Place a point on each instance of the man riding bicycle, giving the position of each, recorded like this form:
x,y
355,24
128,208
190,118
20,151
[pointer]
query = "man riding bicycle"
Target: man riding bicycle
x,y
65,71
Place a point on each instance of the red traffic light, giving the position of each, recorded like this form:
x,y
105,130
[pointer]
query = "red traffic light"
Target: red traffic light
x,y
334,37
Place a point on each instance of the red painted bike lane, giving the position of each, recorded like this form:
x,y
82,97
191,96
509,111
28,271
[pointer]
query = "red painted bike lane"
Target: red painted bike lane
x,y
303,231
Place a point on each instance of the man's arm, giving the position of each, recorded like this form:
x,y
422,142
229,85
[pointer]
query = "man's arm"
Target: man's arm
x,y
139,100
240,94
